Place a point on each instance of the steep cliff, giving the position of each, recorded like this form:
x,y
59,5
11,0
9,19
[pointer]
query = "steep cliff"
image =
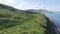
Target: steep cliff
x,y
14,21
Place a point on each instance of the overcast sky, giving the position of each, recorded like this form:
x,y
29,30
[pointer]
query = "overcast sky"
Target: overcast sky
x,y
53,5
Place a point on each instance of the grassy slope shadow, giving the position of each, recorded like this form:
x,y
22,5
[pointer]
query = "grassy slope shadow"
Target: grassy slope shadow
x,y
50,29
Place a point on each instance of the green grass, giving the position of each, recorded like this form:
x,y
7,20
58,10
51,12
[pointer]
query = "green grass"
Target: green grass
x,y
14,21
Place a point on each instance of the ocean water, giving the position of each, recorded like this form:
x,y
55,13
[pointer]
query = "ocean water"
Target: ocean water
x,y
55,16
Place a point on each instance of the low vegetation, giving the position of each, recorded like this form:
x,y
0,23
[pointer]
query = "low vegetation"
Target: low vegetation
x,y
14,21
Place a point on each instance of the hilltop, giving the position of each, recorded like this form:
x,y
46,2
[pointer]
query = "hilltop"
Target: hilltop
x,y
15,21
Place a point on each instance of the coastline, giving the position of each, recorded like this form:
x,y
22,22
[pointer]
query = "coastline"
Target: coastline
x,y
54,26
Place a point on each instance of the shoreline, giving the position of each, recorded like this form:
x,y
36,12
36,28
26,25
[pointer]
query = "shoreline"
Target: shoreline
x,y
54,25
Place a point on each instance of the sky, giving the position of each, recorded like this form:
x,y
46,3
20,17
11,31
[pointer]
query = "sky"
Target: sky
x,y
53,5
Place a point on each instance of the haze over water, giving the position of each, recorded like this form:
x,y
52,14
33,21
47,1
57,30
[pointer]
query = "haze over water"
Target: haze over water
x,y
55,16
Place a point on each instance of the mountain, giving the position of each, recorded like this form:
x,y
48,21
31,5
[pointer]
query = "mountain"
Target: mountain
x,y
15,21
39,11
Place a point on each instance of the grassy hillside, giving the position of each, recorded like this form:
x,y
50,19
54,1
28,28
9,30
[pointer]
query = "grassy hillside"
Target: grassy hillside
x,y
14,21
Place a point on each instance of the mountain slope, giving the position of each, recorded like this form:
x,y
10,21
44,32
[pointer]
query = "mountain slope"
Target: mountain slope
x,y
14,21
39,11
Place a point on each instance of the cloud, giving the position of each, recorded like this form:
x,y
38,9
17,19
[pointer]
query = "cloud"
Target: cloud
x,y
50,0
7,2
26,5
20,4
43,6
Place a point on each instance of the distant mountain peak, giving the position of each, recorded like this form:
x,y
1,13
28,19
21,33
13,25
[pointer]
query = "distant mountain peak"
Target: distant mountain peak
x,y
38,10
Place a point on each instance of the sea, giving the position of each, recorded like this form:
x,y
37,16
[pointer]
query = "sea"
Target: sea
x,y
55,16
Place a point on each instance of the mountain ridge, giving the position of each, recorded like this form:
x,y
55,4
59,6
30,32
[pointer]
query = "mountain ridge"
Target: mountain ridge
x,y
14,21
